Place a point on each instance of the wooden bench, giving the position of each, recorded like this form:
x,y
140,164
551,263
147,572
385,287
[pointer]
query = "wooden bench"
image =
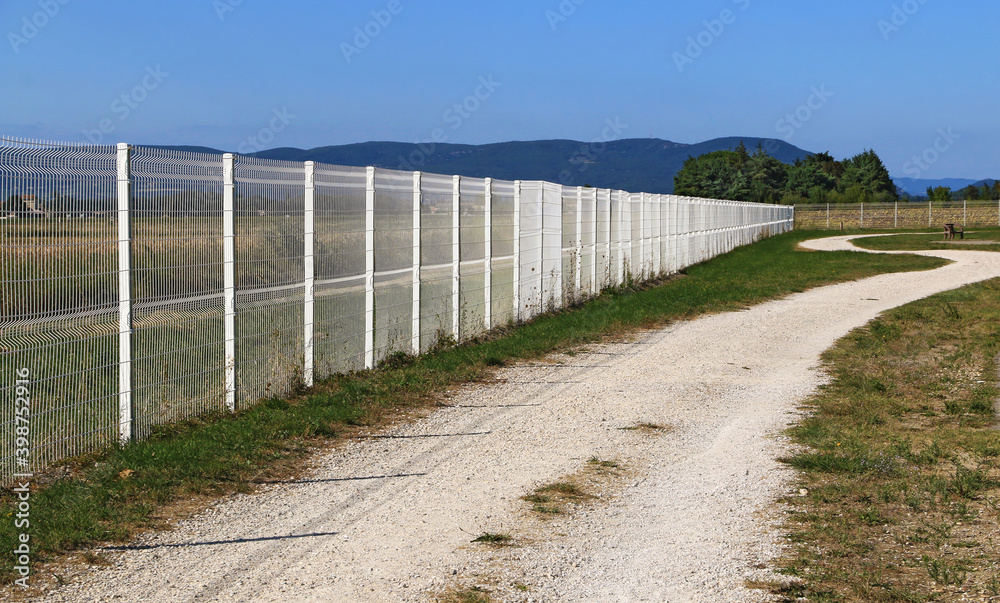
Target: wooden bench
x,y
950,231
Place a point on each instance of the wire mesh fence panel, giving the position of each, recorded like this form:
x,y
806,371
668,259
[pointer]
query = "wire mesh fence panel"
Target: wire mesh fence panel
x,y
552,257
339,320
531,250
616,231
59,309
688,232
143,286
603,238
177,287
661,233
472,237
502,245
436,261
393,262
635,234
270,276
647,234
588,241
569,247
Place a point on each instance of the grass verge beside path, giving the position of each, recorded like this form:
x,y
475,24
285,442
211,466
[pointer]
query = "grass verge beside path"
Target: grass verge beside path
x,y
976,239
111,497
903,461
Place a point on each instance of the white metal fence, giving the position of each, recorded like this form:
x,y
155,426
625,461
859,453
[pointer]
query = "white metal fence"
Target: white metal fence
x,y
897,215
142,286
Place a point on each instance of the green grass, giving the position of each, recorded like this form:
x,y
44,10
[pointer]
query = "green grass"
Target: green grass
x,y
913,241
491,538
218,454
903,460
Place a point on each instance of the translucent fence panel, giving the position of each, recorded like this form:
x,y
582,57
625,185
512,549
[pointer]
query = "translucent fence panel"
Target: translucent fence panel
x,y
502,252
603,237
588,241
552,254
635,235
531,250
436,259
472,241
570,245
143,286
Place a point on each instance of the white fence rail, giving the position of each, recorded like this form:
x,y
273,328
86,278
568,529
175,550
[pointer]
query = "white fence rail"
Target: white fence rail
x,y
142,286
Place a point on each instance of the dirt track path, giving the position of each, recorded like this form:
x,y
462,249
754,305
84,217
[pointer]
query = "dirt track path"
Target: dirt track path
x,y
389,518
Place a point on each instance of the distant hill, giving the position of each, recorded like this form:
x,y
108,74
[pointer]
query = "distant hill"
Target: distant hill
x,y
638,165
646,164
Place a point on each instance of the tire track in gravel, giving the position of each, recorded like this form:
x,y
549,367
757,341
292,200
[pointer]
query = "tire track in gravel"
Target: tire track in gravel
x,y
366,502
689,530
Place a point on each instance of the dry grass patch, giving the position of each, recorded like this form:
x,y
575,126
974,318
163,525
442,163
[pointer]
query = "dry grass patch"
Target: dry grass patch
x,y
575,489
903,464
648,428
470,594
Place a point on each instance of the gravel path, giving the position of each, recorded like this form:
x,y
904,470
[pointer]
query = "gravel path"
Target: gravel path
x,y
390,517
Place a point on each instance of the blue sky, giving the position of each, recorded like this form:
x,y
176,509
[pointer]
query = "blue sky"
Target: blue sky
x,y
917,80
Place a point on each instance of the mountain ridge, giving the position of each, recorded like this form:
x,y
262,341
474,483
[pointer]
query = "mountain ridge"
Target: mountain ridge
x,y
633,164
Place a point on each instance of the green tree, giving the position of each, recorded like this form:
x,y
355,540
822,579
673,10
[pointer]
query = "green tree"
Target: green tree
x,y
940,193
768,177
735,175
867,174
969,193
807,175
712,175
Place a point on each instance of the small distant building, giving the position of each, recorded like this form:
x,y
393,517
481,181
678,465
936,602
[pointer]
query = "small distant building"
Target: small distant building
x,y
30,207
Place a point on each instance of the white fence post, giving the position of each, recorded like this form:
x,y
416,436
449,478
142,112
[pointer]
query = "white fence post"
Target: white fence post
x,y
517,250
552,245
578,260
309,264
643,246
229,275
658,235
488,260
594,288
370,269
417,224
456,257
125,416
623,249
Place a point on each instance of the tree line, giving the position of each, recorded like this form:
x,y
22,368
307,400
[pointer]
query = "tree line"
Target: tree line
x,y
819,178
985,192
